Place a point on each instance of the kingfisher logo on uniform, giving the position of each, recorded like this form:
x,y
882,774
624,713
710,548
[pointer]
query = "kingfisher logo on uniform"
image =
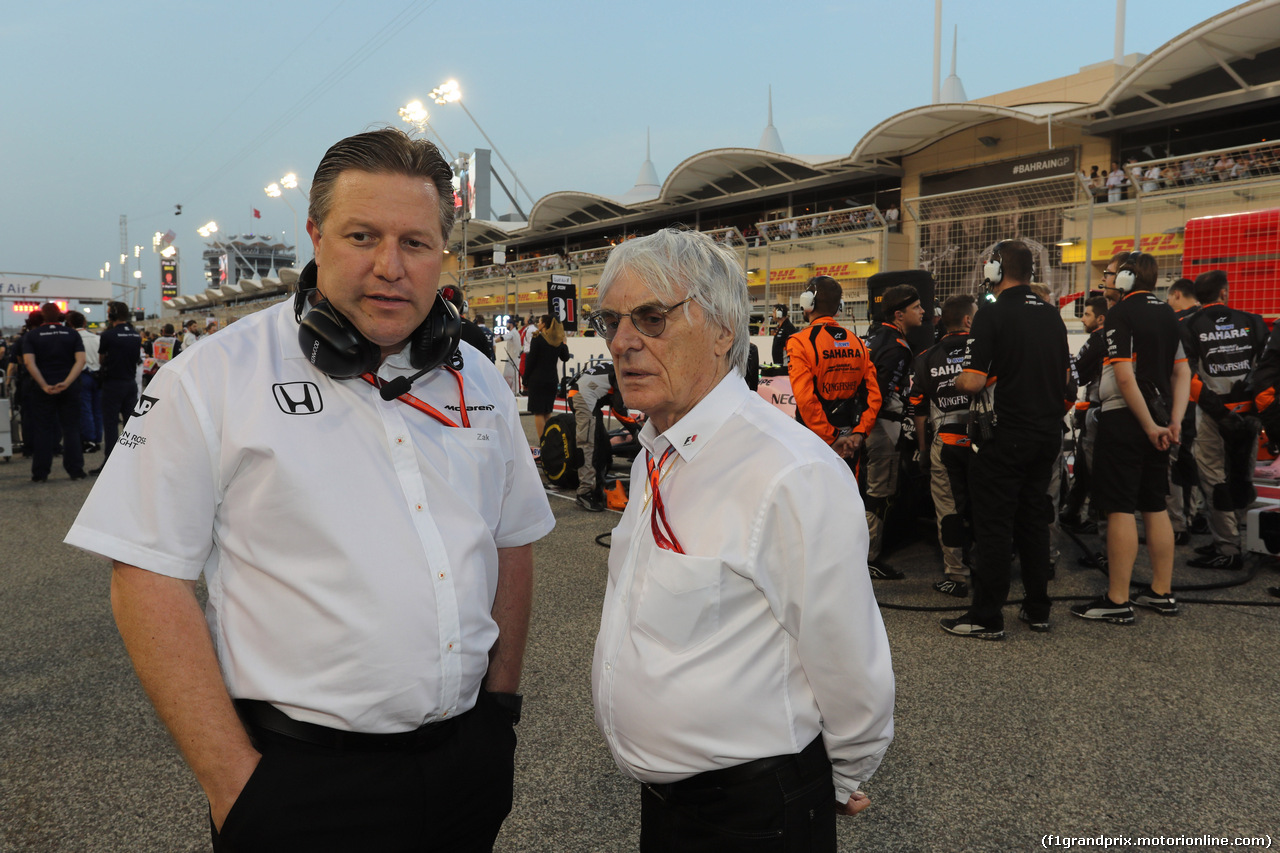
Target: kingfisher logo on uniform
x,y
298,398
145,404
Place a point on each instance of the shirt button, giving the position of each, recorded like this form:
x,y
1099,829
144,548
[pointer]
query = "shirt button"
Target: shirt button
x,y
419,507
442,576
607,666
399,439
451,647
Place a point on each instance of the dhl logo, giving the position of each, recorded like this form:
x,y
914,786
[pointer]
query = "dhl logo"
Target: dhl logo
x,y
1152,244
836,271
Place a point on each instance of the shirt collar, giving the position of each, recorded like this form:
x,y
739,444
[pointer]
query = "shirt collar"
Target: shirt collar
x,y
694,431
1014,292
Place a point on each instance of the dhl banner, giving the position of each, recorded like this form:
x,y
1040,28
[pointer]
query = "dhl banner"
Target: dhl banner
x,y
799,275
1106,247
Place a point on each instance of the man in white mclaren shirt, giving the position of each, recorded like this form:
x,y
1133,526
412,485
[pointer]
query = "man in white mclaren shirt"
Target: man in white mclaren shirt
x,y
357,491
742,672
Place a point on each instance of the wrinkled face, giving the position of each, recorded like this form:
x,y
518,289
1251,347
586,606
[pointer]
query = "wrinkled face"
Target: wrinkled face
x,y
378,254
667,375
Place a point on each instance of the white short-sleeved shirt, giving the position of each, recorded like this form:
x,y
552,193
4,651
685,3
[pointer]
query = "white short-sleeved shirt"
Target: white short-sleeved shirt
x,y
91,363
349,543
765,632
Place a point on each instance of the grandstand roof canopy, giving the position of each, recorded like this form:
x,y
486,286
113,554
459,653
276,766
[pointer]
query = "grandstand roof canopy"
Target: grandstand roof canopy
x,y
723,172
909,131
1232,58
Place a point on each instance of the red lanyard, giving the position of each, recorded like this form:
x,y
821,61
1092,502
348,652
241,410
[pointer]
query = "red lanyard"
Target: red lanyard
x,y
663,535
410,400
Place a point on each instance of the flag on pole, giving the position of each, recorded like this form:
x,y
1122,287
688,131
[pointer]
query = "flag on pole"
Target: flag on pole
x,y
257,214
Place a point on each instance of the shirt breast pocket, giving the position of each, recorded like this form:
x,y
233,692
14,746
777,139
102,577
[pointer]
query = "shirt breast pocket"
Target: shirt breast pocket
x,y
477,468
679,603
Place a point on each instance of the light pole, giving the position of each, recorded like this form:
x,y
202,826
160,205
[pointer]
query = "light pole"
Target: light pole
x,y
416,114
450,93
274,191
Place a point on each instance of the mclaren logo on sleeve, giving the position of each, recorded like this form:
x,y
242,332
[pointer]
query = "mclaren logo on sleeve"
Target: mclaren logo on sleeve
x,y
298,398
145,404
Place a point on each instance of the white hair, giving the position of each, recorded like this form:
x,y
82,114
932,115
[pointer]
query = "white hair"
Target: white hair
x,y
674,260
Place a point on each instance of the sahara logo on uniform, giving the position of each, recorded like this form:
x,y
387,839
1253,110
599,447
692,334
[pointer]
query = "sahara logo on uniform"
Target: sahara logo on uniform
x,y
298,398
145,404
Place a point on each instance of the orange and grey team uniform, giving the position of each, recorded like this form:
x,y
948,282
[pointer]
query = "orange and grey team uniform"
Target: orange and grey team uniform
x,y
833,380
934,396
1223,345
892,357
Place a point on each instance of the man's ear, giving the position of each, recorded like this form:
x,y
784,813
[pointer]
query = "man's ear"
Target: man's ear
x,y
314,231
724,342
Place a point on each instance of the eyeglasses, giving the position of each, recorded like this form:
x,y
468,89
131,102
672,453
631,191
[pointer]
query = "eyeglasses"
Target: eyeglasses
x,y
1106,274
649,320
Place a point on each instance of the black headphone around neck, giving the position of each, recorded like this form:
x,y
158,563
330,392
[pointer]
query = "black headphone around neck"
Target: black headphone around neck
x,y
336,347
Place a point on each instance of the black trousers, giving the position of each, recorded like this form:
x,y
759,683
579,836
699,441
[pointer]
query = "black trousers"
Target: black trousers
x,y
48,413
449,796
119,398
1009,486
790,809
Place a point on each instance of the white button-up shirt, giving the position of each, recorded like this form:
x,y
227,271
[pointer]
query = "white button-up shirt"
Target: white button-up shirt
x,y
765,633
349,544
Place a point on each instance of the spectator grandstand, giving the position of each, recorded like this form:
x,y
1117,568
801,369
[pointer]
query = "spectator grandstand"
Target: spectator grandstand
x,y
933,187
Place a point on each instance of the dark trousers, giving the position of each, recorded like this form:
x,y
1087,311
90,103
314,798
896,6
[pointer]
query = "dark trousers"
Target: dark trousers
x,y
1009,486
788,809
49,412
448,796
119,397
90,409
1081,482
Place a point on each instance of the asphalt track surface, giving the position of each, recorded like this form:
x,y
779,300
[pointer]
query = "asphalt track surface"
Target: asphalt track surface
x,y
1170,727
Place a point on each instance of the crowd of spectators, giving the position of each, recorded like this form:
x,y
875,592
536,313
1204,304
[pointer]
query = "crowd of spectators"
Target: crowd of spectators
x,y
1117,183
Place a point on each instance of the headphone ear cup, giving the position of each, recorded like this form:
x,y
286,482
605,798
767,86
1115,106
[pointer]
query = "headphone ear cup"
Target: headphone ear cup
x,y
1125,280
436,339
334,346
806,300
993,272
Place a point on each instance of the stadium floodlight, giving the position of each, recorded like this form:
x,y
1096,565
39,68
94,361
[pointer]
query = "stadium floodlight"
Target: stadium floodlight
x,y
447,92
289,181
414,113
207,229
274,191
450,93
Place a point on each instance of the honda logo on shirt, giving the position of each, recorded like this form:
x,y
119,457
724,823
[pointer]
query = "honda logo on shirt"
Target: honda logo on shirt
x,y
298,398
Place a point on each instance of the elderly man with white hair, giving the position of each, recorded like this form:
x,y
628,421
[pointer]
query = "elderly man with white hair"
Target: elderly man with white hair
x,y
742,673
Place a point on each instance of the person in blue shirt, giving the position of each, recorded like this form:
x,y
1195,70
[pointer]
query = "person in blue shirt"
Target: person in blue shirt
x,y
54,357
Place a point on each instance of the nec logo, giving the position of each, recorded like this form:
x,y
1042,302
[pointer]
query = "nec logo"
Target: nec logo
x,y
298,398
